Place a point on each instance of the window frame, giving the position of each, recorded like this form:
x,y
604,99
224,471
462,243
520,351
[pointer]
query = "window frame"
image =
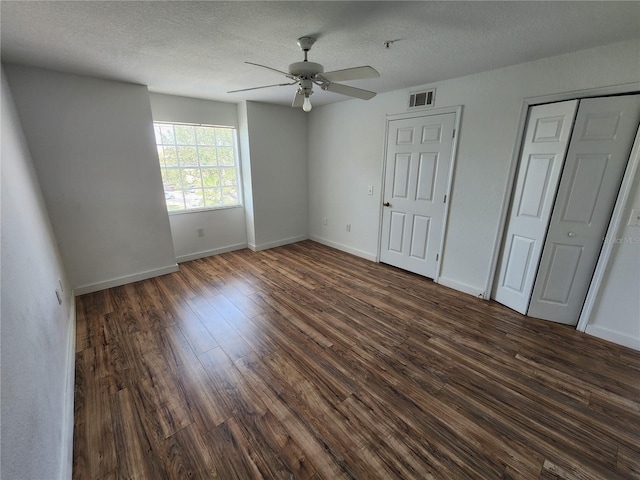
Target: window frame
x,y
179,168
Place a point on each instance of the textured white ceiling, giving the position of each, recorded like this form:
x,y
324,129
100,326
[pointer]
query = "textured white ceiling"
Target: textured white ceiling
x,y
197,49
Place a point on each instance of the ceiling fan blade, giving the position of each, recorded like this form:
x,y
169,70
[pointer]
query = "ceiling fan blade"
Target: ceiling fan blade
x,y
298,100
355,73
265,86
270,68
350,91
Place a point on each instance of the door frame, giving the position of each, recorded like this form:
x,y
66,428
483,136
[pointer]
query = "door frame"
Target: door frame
x,y
457,110
627,88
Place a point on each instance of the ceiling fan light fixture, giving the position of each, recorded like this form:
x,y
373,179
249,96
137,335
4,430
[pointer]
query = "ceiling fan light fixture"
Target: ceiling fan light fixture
x,y
306,106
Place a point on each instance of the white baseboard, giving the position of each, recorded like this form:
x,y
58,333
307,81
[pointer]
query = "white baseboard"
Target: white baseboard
x,y
613,336
67,420
277,243
116,282
344,248
209,253
461,287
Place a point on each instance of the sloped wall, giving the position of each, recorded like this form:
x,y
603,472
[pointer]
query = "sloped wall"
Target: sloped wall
x,y
94,151
38,334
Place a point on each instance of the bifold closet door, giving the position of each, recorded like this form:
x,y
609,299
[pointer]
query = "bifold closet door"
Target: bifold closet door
x,y
541,161
598,153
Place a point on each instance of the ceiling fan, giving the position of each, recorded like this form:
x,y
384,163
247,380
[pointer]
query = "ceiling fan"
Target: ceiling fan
x,y
306,73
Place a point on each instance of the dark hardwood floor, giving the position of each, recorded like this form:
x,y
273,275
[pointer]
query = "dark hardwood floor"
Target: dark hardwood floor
x,y
303,362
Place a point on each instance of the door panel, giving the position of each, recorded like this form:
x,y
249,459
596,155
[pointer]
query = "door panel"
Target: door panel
x,y
536,182
401,175
431,134
557,284
427,169
420,237
596,160
417,165
396,232
519,258
543,152
585,181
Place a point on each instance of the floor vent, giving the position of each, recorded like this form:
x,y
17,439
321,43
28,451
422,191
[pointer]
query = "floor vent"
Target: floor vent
x,y
422,99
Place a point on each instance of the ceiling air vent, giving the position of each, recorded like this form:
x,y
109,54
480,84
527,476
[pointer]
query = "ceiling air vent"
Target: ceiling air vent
x,y
422,99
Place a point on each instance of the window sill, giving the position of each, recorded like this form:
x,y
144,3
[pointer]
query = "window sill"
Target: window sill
x,y
200,210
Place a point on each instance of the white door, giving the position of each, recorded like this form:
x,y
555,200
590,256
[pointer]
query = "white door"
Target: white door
x,y
418,161
598,153
543,153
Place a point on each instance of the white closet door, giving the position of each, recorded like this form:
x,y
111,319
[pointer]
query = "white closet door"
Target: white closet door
x,y
543,153
598,153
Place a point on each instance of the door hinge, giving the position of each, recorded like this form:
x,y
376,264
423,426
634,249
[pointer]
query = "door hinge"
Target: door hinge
x,y
437,257
445,199
454,133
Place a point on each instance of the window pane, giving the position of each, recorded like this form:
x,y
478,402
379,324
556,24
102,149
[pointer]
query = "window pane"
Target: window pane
x,y
175,200
228,176
210,177
185,134
188,156
191,178
206,135
194,198
171,179
212,197
207,155
161,156
156,131
225,156
224,137
170,156
166,132
230,196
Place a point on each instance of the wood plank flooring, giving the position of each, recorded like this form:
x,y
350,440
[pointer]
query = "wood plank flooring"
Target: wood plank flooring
x,y
303,362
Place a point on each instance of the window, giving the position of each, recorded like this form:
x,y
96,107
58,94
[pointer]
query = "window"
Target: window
x,y
199,166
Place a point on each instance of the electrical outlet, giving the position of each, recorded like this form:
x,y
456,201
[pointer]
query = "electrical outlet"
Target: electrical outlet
x,y
634,219
348,227
200,232
370,190
326,221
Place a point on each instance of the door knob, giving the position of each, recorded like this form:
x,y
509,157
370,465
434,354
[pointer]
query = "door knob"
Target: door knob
x,y
386,204
571,234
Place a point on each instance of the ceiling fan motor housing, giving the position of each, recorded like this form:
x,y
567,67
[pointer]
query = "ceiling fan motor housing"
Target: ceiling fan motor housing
x,y
305,69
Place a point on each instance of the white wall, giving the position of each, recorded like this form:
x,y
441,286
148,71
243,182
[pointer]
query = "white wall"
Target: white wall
x,y
616,313
173,108
346,153
224,229
38,335
346,140
274,160
94,151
